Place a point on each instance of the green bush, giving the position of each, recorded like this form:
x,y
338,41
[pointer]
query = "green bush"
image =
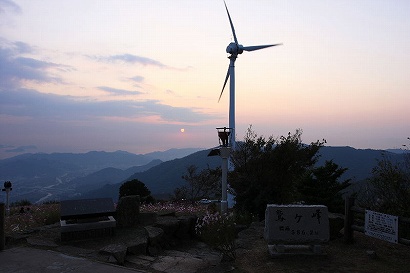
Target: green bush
x,y
245,218
52,217
136,187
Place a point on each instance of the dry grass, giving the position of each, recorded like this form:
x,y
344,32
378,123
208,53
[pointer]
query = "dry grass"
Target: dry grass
x,y
340,257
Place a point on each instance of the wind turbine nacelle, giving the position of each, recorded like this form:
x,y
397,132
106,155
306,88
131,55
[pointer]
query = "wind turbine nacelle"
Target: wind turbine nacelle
x,y
234,49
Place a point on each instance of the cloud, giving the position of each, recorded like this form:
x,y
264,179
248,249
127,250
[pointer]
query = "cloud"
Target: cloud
x,y
2,146
15,68
21,47
9,5
22,149
23,102
16,48
33,63
137,79
129,58
118,92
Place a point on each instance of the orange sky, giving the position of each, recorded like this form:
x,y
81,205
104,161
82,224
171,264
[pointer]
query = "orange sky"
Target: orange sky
x,y
109,75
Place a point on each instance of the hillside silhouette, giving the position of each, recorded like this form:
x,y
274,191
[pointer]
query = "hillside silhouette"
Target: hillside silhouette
x,y
49,177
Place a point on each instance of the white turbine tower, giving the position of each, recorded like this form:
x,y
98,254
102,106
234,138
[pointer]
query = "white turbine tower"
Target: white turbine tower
x,y
234,49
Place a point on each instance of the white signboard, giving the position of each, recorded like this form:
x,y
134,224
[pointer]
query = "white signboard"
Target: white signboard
x,y
381,226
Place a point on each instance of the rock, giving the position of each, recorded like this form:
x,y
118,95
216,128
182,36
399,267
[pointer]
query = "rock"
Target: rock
x,y
147,258
78,251
41,242
166,213
186,227
372,254
16,238
203,251
154,250
138,245
118,251
155,235
169,225
137,260
177,261
147,218
112,260
336,224
128,211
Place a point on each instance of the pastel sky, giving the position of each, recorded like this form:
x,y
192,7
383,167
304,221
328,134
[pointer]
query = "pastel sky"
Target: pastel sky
x,y
128,75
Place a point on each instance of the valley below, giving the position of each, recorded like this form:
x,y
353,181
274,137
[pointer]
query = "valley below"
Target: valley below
x,y
40,178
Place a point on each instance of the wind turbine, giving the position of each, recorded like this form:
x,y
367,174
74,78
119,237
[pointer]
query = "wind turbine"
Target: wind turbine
x,y
234,49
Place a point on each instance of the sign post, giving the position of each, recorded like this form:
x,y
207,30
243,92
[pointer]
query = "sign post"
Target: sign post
x,y
381,226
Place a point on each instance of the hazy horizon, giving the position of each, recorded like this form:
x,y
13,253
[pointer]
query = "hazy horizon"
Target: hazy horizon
x,y
77,76
13,154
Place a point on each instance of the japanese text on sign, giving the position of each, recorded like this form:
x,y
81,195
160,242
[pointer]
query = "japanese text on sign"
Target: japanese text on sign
x,y
381,226
296,223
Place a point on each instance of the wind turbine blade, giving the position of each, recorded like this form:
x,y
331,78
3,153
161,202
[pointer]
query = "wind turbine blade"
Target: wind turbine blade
x,y
230,21
252,48
226,79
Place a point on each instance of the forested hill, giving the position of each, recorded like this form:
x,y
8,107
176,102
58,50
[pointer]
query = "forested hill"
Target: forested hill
x,y
359,162
165,177
42,177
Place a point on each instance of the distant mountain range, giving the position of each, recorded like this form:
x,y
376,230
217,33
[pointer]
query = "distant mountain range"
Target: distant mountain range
x,y
42,177
359,162
47,177
164,178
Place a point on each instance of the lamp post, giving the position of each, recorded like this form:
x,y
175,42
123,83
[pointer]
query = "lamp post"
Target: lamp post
x,y
224,150
7,189
2,223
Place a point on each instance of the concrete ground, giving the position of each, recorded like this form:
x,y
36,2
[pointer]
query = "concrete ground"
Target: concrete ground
x,y
42,251
33,260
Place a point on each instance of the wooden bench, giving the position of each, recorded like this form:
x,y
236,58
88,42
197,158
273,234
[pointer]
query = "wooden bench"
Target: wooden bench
x,y
87,218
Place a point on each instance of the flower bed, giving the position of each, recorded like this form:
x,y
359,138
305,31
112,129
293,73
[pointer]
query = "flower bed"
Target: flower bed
x,y
178,208
25,218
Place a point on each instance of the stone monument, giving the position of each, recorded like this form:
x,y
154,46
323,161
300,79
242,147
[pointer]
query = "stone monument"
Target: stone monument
x,y
128,209
296,229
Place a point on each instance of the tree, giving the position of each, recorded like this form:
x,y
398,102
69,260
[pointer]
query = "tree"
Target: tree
x,y
136,187
322,186
205,184
390,189
269,170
